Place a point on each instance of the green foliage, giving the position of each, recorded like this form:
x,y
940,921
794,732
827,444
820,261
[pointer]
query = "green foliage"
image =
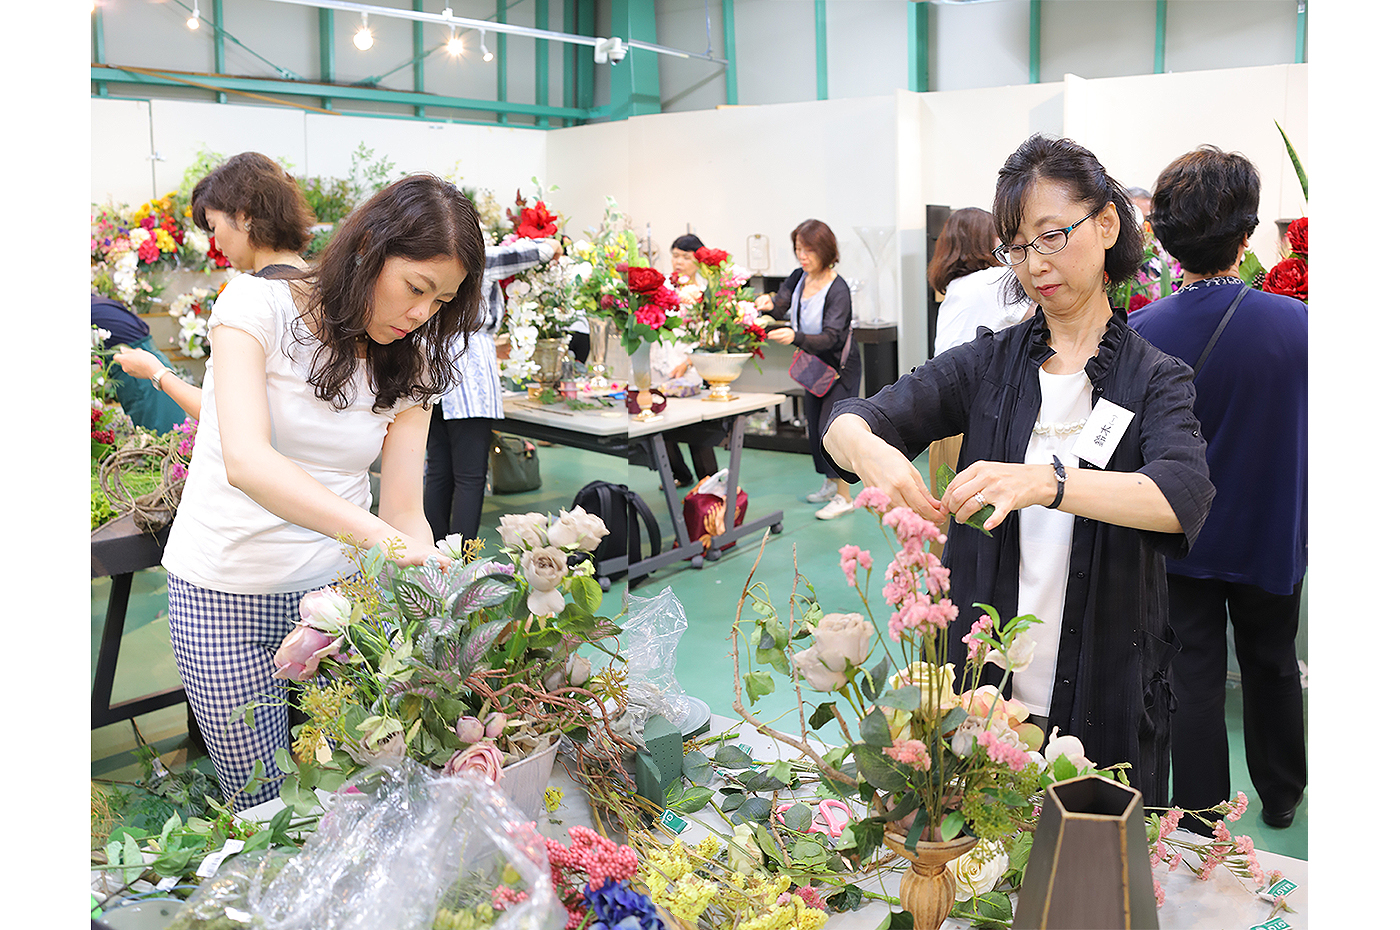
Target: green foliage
x,y
1293,157
944,477
205,161
330,199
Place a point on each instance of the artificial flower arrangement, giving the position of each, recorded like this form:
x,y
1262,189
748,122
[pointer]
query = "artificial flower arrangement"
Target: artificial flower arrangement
x,y
192,309
1157,268
720,316
638,300
542,302
466,668
128,249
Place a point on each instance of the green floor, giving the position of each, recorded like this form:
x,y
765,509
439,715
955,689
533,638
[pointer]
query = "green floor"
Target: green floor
x,y
773,480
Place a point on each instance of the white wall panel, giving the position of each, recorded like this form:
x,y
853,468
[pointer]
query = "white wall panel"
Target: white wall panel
x,y
867,47
181,128
121,149
980,45
1097,38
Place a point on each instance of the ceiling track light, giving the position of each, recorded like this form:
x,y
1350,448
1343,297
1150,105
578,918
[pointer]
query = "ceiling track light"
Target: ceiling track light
x,y
193,21
485,52
454,42
364,39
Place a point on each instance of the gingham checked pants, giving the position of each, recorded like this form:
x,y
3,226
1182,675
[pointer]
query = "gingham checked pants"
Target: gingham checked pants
x,y
224,645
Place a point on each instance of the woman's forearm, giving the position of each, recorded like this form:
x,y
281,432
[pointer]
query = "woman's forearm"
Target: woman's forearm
x,y
1122,498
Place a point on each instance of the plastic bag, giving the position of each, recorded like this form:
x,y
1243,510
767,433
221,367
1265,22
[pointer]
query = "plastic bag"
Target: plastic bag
x,y
401,847
654,627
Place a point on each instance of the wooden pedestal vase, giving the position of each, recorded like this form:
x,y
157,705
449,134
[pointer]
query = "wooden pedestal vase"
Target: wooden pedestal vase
x,y
926,890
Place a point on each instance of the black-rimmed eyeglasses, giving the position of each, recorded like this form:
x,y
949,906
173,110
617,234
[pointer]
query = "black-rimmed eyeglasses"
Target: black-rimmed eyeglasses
x,y
1047,243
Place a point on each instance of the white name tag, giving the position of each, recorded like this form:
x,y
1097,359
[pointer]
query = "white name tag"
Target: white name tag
x,y
1104,430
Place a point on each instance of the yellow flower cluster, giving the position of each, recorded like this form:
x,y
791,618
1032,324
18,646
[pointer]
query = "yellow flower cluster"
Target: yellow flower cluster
x,y
673,884
480,917
164,240
161,207
552,797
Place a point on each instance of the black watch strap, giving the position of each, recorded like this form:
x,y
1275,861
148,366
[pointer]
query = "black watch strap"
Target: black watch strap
x,y
1059,481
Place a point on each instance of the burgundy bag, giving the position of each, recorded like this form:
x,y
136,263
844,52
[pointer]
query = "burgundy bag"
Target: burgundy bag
x,y
704,515
814,374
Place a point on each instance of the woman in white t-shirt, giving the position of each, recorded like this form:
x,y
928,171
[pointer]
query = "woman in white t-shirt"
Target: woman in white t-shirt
x,y
313,374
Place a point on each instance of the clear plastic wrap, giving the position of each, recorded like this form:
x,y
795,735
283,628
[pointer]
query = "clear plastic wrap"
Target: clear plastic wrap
x,y
404,848
654,627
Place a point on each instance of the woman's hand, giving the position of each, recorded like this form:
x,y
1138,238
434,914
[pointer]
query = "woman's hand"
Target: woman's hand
x,y
137,362
881,466
416,552
1002,485
783,336
763,303
680,369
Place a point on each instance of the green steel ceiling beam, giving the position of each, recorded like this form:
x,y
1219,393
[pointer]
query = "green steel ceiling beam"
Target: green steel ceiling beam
x,y
1035,42
569,70
99,46
502,75
1300,48
636,80
1159,54
731,76
819,9
588,25
219,64
328,92
418,74
542,61
918,47
327,24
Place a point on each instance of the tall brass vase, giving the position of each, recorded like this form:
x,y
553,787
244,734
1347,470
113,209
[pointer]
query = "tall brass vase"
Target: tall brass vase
x,y
926,890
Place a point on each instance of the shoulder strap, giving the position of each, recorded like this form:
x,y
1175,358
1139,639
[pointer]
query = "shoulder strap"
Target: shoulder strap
x,y
653,528
1215,336
850,331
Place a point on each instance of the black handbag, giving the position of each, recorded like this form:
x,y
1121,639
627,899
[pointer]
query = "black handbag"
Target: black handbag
x,y
814,374
515,465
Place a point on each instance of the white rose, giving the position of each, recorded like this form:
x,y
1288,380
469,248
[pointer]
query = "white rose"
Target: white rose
x,y
325,609
1068,746
579,670
451,546
817,674
524,530
1017,658
744,855
839,638
978,871
577,527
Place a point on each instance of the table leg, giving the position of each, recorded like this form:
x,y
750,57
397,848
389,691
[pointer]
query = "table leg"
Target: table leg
x,y
103,710
731,503
685,548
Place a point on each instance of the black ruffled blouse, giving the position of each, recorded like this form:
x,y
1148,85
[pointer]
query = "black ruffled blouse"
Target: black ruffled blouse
x,y
1111,688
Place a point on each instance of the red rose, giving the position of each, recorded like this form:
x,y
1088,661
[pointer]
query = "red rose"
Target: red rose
x,y
1290,278
643,280
666,299
712,257
651,315
1298,236
148,251
1138,301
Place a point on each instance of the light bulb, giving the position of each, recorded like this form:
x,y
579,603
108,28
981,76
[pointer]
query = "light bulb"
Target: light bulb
x,y
485,52
364,39
193,21
454,45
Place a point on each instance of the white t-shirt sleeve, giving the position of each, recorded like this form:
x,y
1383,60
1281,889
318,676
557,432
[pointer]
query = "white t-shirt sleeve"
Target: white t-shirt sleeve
x,y
247,304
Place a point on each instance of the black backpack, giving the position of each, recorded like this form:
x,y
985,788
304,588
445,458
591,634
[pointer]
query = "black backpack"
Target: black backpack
x,y
623,512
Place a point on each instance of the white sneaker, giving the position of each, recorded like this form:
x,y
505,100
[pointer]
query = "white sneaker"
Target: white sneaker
x,y
825,493
836,508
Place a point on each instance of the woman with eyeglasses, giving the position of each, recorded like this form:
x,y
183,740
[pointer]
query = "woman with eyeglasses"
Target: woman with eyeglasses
x,y
1079,437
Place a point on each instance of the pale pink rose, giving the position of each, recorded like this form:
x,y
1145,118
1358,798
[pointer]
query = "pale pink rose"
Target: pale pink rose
x,y
301,652
691,294
326,609
524,530
545,603
838,639
482,759
495,724
1017,658
469,729
1072,749
544,569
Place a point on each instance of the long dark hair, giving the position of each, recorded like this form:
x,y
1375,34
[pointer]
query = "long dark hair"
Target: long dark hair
x,y
259,188
1065,162
419,218
965,245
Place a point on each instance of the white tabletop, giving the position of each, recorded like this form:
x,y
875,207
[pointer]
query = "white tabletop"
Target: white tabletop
x,y
680,411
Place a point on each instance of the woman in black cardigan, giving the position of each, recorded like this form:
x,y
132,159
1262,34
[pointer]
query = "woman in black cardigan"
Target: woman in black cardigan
x,y
822,318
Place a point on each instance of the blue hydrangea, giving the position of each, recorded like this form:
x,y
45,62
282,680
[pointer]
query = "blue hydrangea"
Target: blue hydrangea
x,y
618,907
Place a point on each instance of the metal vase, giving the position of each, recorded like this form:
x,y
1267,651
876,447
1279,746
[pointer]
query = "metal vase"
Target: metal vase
x,y
1089,863
719,369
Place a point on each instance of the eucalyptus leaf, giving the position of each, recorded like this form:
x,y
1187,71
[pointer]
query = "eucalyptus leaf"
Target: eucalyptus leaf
x,y
875,729
732,802
798,818
807,852
878,769
732,757
696,766
909,697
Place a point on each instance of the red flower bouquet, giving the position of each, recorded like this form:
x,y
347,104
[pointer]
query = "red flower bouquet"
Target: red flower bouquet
x,y
1290,278
712,257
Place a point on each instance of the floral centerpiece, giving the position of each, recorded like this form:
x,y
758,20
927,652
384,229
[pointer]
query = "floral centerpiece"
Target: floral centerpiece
x,y
720,316
192,309
466,666
638,300
1157,268
131,251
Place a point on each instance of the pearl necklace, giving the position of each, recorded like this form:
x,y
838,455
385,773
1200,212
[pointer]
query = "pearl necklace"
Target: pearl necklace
x,y
1059,429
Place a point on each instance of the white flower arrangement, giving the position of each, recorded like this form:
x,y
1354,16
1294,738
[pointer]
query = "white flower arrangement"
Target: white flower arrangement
x,y
193,309
541,303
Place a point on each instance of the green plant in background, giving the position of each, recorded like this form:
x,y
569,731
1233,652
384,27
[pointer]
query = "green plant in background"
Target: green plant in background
x,y
367,176
205,161
331,199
